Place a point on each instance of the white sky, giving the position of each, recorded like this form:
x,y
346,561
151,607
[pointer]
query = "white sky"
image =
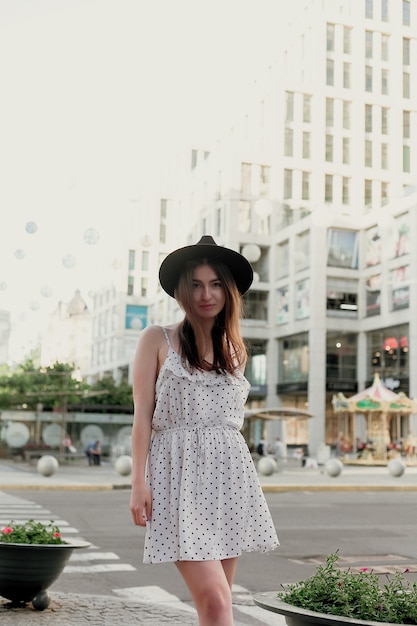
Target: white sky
x,y
92,91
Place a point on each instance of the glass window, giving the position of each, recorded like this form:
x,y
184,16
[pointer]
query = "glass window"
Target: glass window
x,y
347,36
289,109
368,153
255,305
329,112
283,306
368,78
305,189
342,297
328,188
306,145
246,183
384,10
265,180
330,37
387,350
369,9
368,118
329,147
346,190
302,299
401,236
342,248
294,360
406,124
302,251
406,12
406,159
144,286
406,51
384,120
287,184
255,370
329,72
406,85
373,295
131,261
367,192
372,247
283,259
384,193
341,356
162,233
306,108
145,260
368,44
163,208
400,291
130,285
384,82
346,75
385,47
346,114
384,156
289,142
244,221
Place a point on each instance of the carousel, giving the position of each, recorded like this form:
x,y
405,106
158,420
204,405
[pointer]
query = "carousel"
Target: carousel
x,y
377,413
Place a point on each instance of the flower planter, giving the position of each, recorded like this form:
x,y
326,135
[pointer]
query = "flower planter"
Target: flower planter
x,y
295,616
27,570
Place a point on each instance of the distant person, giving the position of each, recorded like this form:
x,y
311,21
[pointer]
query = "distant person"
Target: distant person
x,y
67,445
278,449
93,452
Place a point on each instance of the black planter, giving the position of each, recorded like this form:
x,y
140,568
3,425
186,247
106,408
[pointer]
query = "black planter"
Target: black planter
x,y
27,570
295,616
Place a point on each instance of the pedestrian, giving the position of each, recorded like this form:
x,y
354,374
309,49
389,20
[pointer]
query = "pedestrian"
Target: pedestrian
x,y
201,502
93,453
278,449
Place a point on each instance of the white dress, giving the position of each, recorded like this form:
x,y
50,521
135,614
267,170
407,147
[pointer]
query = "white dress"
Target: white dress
x,y
207,503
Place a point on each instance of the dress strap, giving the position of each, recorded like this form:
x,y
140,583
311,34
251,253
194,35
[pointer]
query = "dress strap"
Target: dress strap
x,y
166,336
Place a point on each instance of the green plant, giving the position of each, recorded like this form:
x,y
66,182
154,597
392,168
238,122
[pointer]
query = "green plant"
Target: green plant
x,y
355,595
31,532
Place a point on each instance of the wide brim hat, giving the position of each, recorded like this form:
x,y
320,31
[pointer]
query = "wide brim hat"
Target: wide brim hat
x,y
206,248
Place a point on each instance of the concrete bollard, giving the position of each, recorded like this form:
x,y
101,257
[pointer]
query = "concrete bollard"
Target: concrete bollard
x,y
123,465
267,466
47,465
334,467
396,467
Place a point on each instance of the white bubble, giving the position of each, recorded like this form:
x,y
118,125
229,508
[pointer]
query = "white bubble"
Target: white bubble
x,y
91,236
34,305
3,286
69,261
46,291
31,228
19,254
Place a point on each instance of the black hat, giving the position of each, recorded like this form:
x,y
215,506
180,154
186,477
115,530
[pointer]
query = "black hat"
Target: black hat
x,y
206,248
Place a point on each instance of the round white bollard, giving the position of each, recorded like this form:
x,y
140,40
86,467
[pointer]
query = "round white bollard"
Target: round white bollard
x,y
47,465
123,465
334,467
396,467
266,466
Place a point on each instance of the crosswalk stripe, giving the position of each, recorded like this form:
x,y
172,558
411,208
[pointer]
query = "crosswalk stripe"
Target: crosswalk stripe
x,y
94,569
93,556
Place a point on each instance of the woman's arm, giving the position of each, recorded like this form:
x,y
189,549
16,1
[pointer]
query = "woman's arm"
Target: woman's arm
x,y
145,371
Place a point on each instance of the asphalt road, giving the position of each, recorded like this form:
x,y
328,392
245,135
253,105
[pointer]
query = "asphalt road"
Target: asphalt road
x,y
370,529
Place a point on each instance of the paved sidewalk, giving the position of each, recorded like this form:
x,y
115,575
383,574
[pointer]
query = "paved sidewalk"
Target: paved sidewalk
x,y
76,610
77,475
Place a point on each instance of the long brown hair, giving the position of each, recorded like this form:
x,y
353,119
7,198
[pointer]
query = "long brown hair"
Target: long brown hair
x,y
229,350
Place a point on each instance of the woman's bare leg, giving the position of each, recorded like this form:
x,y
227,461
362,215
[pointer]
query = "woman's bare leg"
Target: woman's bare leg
x,y
208,583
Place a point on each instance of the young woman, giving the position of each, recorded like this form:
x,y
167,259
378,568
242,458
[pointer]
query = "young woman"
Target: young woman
x,y
194,485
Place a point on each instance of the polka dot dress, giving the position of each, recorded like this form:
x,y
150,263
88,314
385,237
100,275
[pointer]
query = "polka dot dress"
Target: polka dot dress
x,y
207,503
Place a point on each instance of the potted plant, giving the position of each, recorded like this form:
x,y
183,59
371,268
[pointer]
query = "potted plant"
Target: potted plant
x,y
333,597
32,556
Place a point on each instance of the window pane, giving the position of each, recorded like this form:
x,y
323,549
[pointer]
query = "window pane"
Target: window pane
x,y
329,72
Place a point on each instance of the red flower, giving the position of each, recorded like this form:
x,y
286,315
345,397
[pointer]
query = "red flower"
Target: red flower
x,y
364,569
7,530
57,535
